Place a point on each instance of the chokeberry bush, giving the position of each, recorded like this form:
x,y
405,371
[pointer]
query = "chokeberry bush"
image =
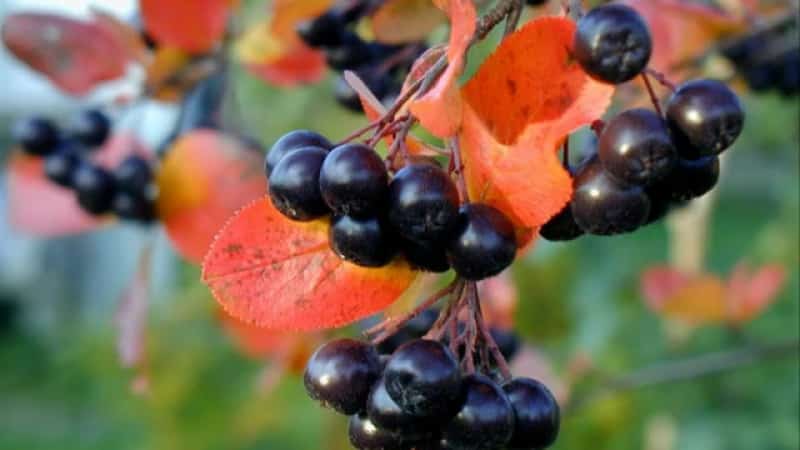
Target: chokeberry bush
x,y
412,223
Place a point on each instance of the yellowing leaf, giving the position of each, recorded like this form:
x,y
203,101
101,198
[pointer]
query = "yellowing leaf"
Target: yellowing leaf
x,y
402,21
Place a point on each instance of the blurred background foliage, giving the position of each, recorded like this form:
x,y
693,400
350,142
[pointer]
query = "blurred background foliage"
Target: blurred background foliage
x,y
61,385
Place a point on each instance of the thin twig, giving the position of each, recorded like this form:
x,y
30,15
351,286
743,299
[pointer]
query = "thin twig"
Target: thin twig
x,y
653,97
488,340
492,18
512,20
385,329
661,78
457,164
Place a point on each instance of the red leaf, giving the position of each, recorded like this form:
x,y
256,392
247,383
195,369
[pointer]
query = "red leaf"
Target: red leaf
x,y
520,105
29,190
204,179
750,292
267,270
74,55
660,283
191,25
299,65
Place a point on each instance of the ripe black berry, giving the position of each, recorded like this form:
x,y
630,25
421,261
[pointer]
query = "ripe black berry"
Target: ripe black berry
x,y
427,256
293,140
35,135
341,373
90,127
537,415
323,31
602,205
133,207
362,241
413,329
294,184
705,117
486,419
636,148
424,379
535,2
60,166
691,178
612,43
94,187
351,53
365,435
386,413
423,202
561,227
134,175
353,180
484,242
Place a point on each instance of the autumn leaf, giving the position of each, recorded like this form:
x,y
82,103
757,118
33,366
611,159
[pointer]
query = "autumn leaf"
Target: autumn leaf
x,y
195,26
403,21
75,55
270,271
205,177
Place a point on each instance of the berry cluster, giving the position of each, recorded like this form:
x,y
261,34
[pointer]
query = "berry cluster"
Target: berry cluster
x,y
769,59
382,67
419,398
128,192
417,211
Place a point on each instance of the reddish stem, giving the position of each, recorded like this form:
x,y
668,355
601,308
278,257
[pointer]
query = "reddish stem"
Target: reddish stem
x,y
653,97
388,327
661,78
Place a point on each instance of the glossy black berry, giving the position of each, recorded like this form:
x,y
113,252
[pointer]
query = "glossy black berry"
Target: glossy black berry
x,y
426,256
635,147
424,379
351,53
601,205
486,419
661,202
691,179
423,203
483,243
413,329
536,412
365,435
386,413
561,227
134,175
293,140
353,180
363,241
612,43
90,127
60,167
705,117
35,135
131,206
341,373
294,184
94,187
323,31
507,341
535,2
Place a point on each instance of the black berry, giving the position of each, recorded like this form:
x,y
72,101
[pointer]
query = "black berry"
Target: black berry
x,y
362,241
423,202
294,184
35,135
536,412
691,178
346,96
130,206
341,373
323,31
365,435
427,256
561,227
60,166
94,187
507,341
705,117
413,329
484,242
612,43
351,53
294,140
486,419
134,175
353,180
90,127
386,413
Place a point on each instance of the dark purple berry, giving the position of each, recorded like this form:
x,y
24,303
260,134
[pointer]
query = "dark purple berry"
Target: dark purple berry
x,y
413,329
535,2
660,202
35,135
353,180
134,175
294,184
426,256
601,205
350,54
293,140
483,243
94,187
91,127
486,419
636,148
131,206
691,178
561,227
323,31
386,413
423,203
363,241
705,117
60,166
424,379
365,435
612,43
340,374
536,412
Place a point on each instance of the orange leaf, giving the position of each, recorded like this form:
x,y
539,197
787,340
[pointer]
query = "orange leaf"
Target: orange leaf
x,y
701,300
749,293
74,55
520,105
204,179
191,25
268,270
286,14
660,283
402,21
301,64
440,109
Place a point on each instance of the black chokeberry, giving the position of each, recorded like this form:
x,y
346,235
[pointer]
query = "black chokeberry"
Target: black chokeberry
x,y
353,180
60,166
485,420
561,227
134,175
705,117
426,256
323,31
423,203
294,184
424,379
535,2
365,435
131,206
601,205
351,53
386,413
635,147
413,329
363,241
483,243
613,43
35,135
90,127
536,412
341,373
94,187
293,140
691,179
